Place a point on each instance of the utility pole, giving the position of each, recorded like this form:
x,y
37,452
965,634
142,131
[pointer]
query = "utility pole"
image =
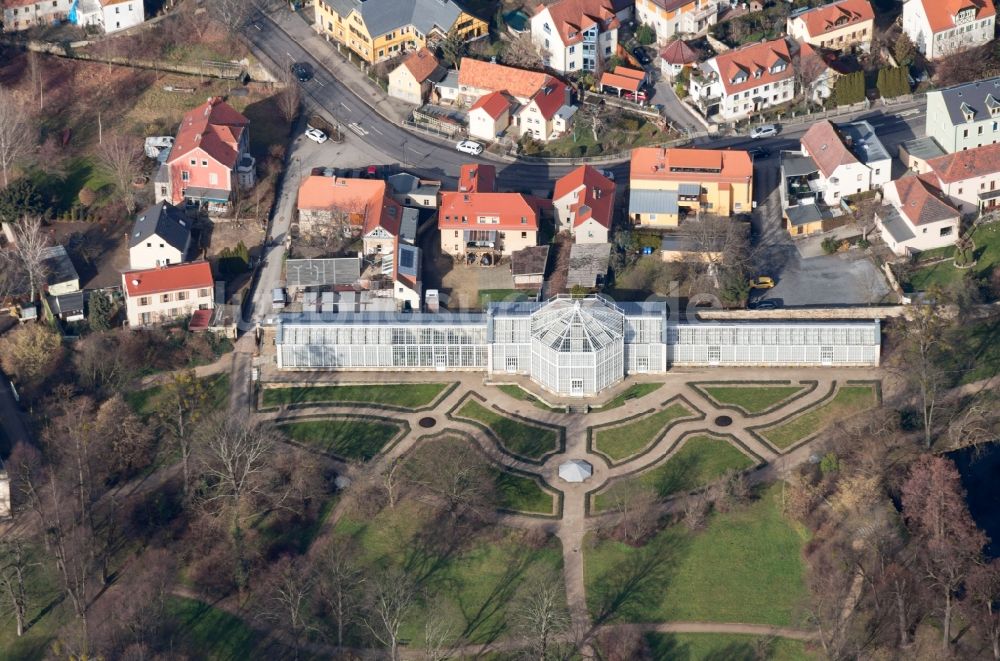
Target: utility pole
x,y
100,132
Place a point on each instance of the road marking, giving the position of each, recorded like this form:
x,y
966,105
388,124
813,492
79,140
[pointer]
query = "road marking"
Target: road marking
x,y
354,126
377,131
319,82
289,55
909,113
345,106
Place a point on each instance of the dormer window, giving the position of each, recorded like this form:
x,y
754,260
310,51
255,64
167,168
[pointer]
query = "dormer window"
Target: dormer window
x,y
967,112
572,34
778,67
992,105
758,73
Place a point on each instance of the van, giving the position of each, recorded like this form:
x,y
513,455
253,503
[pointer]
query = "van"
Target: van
x,y
278,298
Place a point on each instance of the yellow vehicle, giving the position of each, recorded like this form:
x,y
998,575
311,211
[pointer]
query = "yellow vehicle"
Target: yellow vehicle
x,y
761,282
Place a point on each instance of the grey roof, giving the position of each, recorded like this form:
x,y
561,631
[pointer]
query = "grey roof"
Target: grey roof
x,y
382,16
409,261
320,272
652,201
381,318
566,112
683,243
972,94
865,143
923,148
807,213
403,183
67,303
58,266
797,165
588,262
165,221
894,223
529,261
450,80
689,189
408,224
162,175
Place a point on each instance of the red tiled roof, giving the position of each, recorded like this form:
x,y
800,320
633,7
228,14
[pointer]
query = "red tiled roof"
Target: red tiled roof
x,y
597,196
678,52
513,211
365,200
494,104
216,128
826,147
421,64
573,17
941,13
703,164
195,275
621,82
671,5
477,178
966,164
750,59
550,98
921,202
836,15
496,77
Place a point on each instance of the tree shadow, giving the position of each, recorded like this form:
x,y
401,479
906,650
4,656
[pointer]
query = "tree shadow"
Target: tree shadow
x,y
679,475
634,587
434,546
478,622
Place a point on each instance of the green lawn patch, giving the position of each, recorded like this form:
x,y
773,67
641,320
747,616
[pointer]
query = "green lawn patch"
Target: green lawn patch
x,y
347,438
744,566
978,350
698,463
519,393
46,609
751,398
942,274
623,441
211,633
632,392
720,646
847,400
516,437
404,395
487,296
522,493
149,401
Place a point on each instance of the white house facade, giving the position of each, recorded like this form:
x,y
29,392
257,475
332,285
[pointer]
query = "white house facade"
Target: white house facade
x,y
576,35
941,27
744,81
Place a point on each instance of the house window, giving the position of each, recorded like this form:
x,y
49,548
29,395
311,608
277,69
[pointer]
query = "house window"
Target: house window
x,y
204,163
524,235
143,301
572,49
149,245
163,190
946,231
165,298
181,295
194,162
203,293
185,175
213,179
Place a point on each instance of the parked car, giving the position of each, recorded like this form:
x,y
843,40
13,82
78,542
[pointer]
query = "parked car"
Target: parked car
x,y
316,135
765,305
761,282
640,54
764,131
469,147
303,71
371,172
637,97
607,174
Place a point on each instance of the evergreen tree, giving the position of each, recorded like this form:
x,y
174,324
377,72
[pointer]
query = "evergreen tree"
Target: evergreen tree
x,y
102,311
20,199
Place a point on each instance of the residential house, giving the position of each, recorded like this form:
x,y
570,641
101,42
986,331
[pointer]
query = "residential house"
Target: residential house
x,y
673,17
841,25
576,35
413,79
60,273
490,115
942,27
964,116
154,296
675,57
407,285
968,178
548,113
665,184
109,15
344,206
916,216
412,191
528,266
849,159
819,70
584,203
21,15
68,307
209,159
106,15
161,235
377,30
477,78
744,81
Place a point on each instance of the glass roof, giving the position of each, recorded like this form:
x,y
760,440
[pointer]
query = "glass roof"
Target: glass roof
x,y
579,325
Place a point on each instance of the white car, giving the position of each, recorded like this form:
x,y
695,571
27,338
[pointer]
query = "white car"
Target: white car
x,y
764,131
469,147
316,135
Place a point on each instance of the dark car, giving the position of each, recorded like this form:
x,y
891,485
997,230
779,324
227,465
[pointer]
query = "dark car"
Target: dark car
x,y
303,71
640,54
764,305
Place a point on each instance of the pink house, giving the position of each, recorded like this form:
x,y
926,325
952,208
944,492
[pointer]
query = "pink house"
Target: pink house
x,y
209,158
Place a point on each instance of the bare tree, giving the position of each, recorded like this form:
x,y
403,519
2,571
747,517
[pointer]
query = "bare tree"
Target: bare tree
x,y
982,604
15,132
121,157
540,613
289,99
30,244
237,455
287,597
339,584
722,241
924,352
390,478
391,595
522,52
695,510
810,71
231,14
636,509
37,78
14,566
456,474
182,408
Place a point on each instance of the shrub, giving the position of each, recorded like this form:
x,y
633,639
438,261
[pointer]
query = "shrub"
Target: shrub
x,y
87,196
645,34
829,245
631,124
864,244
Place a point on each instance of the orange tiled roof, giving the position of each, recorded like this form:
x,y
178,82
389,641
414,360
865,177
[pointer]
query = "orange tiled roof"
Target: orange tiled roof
x,y
364,199
826,147
512,211
421,64
493,104
690,164
477,178
215,127
678,52
921,202
621,82
496,77
596,195
836,15
941,13
194,275
966,164
750,59
573,17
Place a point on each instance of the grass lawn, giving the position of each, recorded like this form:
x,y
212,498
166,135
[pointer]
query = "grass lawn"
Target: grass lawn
x,y
626,440
847,400
978,350
516,437
613,139
211,633
469,584
719,647
46,610
699,462
744,566
987,239
404,395
751,398
347,438
632,392
517,392
147,402
497,295
522,494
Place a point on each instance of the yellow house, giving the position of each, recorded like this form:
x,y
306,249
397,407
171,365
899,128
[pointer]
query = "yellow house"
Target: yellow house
x,y
674,17
377,30
667,184
839,25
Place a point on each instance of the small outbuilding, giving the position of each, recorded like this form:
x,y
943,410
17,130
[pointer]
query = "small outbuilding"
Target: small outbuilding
x,y
576,470
528,266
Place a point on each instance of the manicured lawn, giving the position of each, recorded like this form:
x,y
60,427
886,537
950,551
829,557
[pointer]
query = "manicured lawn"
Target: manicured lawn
x,y
211,633
987,239
847,400
699,462
147,402
744,566
468,583
517,392
751,398
633,392
46,608
626,440
522,494
517,437
487,296
404,395
347,438
722,647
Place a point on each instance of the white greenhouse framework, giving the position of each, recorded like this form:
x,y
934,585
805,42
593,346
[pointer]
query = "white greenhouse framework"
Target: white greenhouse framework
x,y
573,347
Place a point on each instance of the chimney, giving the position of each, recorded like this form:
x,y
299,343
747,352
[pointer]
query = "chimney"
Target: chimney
x,y
849,140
